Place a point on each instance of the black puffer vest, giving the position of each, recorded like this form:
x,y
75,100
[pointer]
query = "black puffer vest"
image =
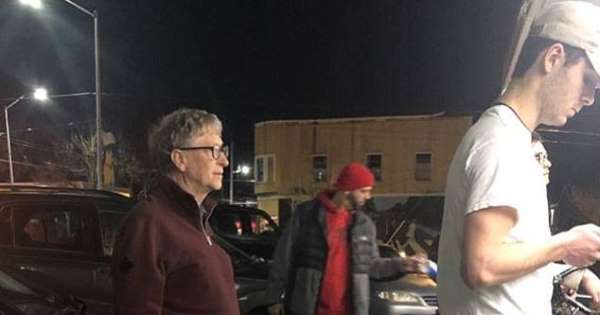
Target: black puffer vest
x,y
310,249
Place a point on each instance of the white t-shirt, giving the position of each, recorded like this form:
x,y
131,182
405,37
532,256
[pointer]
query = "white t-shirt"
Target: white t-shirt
x,y
494,166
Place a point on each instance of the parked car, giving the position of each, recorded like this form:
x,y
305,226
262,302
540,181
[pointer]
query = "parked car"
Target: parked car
x,y
65,236
410,294
249,236
18,296
257,234
249,229
251,274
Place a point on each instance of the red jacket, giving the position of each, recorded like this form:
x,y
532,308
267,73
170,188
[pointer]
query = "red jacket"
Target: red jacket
x,y
334,298
165,261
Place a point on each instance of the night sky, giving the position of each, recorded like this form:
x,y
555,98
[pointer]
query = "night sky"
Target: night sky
x,y
258,60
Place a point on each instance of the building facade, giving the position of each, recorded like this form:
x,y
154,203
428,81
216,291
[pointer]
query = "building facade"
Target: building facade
x,y
409,155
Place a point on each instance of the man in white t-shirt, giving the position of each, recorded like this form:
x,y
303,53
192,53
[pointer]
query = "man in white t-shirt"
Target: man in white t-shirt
x,y
496,252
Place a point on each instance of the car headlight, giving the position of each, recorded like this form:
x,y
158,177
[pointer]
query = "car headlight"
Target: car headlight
x,y
401,297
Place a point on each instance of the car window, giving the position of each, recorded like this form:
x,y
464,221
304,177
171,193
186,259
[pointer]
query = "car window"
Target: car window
x,y
48,226
243,224
5,228
260,225
109,227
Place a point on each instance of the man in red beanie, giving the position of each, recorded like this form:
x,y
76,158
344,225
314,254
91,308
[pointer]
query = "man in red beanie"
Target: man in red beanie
x,y
328,251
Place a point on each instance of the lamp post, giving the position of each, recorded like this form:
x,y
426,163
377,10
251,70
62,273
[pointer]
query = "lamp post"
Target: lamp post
x,y
37,4
39,94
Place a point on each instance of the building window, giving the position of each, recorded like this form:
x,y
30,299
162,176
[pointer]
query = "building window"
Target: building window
x,y
264,166
260,169
423,166
374,164
319,164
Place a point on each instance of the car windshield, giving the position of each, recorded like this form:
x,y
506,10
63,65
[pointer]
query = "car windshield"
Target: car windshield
x,y
9,283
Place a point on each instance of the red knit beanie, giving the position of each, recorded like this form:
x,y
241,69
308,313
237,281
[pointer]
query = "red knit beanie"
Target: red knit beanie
x,y
354,176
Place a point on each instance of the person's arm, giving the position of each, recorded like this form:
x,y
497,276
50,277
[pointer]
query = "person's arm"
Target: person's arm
x,y
590,284
392,267
385,267
281,263
138,274
489,260
557,268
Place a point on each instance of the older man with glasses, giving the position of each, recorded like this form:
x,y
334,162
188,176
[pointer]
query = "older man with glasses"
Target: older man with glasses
x,y
165,260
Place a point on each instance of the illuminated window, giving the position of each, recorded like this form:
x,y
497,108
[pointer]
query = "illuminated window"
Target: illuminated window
x,y
319,164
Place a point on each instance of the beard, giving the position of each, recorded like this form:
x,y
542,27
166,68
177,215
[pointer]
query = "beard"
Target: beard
x,y
354,204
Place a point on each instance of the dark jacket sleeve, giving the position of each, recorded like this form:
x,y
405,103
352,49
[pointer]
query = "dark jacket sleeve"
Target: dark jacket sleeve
x,y
282,262
378,267
386,267
138,271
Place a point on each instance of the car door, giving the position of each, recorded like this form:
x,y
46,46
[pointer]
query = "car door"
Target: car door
x,y
110,217
54,238
251,231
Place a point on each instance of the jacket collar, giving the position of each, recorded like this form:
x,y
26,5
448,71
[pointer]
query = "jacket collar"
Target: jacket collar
x,y
182,199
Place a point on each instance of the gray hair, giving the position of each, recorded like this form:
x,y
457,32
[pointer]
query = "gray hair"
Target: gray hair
x,y
174,130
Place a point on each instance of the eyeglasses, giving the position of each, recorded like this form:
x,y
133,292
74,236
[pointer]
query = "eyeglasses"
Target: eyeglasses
x,y
216,150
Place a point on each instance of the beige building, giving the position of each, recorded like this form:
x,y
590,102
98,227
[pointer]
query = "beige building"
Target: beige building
x,y
409,155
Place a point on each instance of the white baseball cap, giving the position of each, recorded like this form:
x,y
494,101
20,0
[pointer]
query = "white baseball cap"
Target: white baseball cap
x,y
575,23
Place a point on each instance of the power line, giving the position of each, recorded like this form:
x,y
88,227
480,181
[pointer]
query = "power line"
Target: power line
x,y
45,165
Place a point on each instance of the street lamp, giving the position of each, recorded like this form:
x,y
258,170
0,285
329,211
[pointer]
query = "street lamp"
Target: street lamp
x,y
244,169
37,4
39,94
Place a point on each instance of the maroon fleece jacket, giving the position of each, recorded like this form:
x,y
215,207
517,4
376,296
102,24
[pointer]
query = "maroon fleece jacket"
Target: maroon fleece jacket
x,y
165,261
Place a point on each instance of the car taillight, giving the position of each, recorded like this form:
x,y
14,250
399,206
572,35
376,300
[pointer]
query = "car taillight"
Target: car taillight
x,y
238,227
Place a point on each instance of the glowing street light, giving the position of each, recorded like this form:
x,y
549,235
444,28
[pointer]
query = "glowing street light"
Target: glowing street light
x,y
39,94
37,4
243,169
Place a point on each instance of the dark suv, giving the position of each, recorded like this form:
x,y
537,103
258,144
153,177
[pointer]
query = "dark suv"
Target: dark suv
x,y
249,236
18,296
66,234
